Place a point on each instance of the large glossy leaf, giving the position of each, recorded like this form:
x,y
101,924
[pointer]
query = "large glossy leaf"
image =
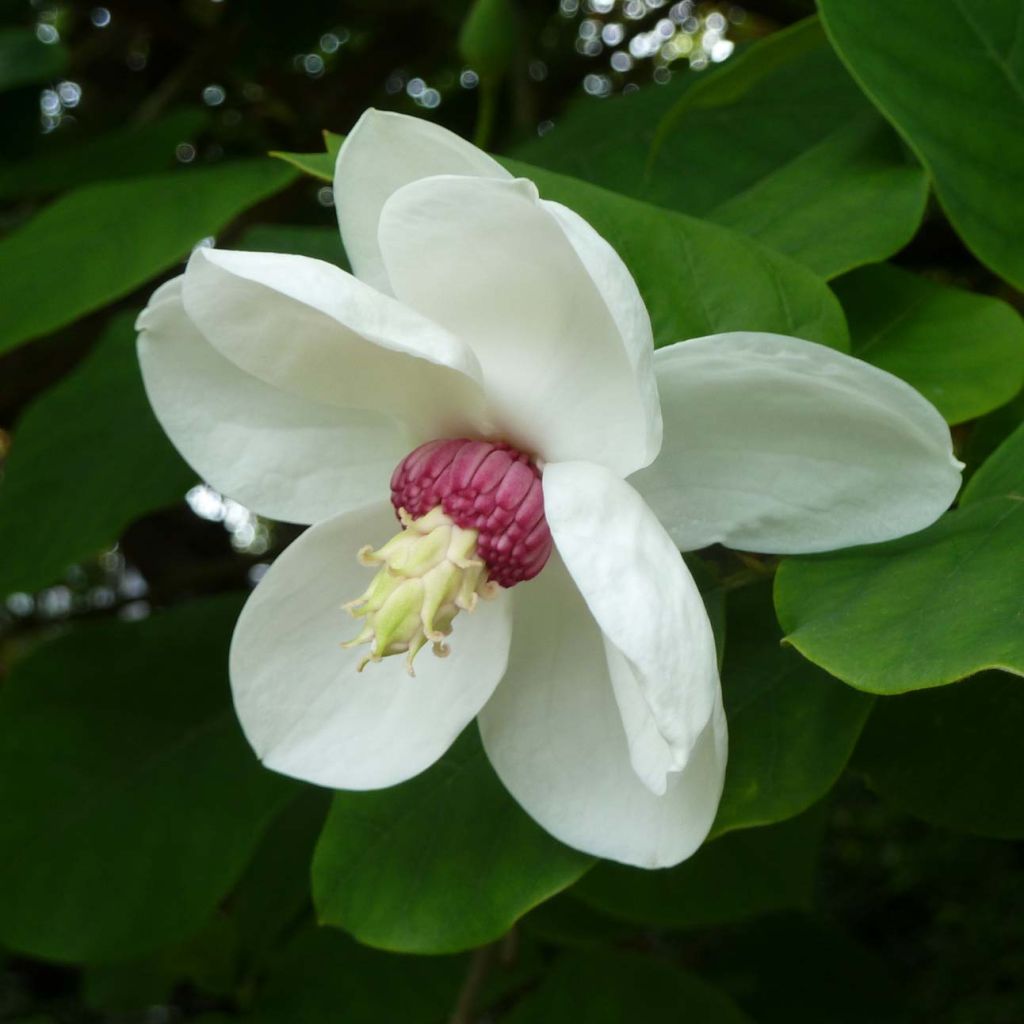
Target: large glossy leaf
x,y
102,241
778,143
963,351
24,59
916,612
479,862
752,872
952,756
88,458
696,278
120,154
792,727
950,77
129,801
604,987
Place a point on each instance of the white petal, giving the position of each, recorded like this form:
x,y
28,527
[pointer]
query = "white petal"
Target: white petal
x,y
553,733
383,152
661,647
285,458
780,445
310,329
626,305
493,264
303,706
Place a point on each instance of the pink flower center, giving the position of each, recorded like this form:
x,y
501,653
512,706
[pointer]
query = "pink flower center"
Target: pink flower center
x,y
487,486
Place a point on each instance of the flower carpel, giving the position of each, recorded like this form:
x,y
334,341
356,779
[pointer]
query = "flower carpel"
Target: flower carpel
x,y
487,486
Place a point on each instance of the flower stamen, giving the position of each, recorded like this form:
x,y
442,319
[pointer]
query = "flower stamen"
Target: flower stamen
x,y
427,574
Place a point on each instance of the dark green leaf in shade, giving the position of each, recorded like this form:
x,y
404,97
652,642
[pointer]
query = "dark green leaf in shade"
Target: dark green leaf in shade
x,y
779,143
324,976
117,235
568,921
230,952
792,727
124,153
950,77
207,961
275,889
130,804
952,756
986,435
720,280
88,458
752,872
920,611
602,987
321,243
963,351
713,594
440,863
1001,474
24,59
793,970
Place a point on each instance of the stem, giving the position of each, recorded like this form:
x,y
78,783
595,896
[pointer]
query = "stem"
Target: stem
x,y
485,112
476,975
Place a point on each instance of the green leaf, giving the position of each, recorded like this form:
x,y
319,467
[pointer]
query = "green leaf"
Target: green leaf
x,y
129,801
963,351
602,987
920,611
121,154
304,239
1001,474
775,702
489,37
719,279
756,871
316,165
778,143
965,124
952,756
324,976
699,278
24,59
101,241
88,458
440,863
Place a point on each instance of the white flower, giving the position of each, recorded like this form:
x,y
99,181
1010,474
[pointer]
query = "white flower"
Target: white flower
x,y
479,310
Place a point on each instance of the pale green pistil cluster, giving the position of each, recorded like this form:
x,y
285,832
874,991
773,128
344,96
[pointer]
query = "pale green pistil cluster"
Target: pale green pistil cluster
x,y
429,572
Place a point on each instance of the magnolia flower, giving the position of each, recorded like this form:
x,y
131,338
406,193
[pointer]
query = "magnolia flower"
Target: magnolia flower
x,y
488,374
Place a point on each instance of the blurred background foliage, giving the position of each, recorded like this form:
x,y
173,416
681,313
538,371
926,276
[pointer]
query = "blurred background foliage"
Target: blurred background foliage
x,y
150,871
